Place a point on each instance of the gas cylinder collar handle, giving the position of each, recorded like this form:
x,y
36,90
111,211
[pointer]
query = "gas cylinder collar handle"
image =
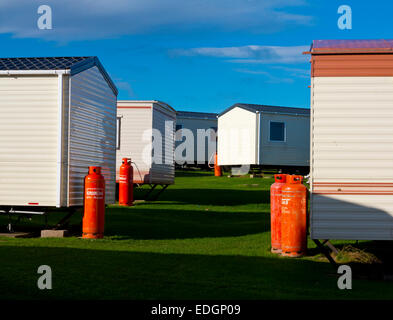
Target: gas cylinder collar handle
x,y
125,160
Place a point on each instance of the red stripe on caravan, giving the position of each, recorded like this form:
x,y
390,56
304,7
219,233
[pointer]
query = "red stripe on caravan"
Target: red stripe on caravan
x,y
33,203
353,188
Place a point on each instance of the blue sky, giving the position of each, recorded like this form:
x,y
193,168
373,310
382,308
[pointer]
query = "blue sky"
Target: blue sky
x,y
196,55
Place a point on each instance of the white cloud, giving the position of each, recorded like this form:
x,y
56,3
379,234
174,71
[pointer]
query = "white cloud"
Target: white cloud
x,y
270,78
295,72
125,87
94,19
248,71
250,53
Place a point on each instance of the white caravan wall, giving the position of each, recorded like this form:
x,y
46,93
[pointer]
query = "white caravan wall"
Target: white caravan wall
x,y
352,152
237,137
92,138
135,119
353,129
28,140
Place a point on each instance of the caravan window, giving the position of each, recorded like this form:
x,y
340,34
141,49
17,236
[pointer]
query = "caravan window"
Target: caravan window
x,y
277,131
118,125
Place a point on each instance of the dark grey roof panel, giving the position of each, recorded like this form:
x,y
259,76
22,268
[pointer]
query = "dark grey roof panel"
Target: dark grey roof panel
x,y
74,64
197,115
50,63
270,109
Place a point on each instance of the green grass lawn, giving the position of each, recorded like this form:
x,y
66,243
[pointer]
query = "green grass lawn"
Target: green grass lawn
x,y
207,238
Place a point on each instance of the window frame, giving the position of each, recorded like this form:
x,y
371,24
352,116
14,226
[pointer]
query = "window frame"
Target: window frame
x,y
285,131
118,132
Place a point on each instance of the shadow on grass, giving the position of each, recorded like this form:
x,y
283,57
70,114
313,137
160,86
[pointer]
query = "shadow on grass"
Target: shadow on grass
x,y
105,274
144,222
147,223
35,223
217,197
371,259
382,250
367,259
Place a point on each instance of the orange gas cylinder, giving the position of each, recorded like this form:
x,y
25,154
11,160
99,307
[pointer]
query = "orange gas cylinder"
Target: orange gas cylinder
x,y
217,168
275,211
94,203
294,217
126,183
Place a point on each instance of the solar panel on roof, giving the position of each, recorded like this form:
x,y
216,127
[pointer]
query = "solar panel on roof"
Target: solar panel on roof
x,y
50,63
75,64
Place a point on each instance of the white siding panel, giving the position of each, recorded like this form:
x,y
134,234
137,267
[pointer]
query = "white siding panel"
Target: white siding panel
x,y
135,123
28,140
352,142
92,139
352,129
237,137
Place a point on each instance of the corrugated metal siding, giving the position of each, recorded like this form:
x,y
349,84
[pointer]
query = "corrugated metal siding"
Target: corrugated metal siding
x,y
352,130
28,140
92,133
135,122
164,122
353,124
295,151
193,125
356,217
237,137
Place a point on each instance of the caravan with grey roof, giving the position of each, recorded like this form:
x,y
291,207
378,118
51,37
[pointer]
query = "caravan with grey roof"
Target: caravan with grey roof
x,y
57,118
260,135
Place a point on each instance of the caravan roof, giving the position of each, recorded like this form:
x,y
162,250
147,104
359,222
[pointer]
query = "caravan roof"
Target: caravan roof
x,y
74,64
269,109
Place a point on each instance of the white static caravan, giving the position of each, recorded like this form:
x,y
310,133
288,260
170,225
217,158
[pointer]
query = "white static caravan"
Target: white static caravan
x,y
351,139
250,134
153,159
57,118
205,147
